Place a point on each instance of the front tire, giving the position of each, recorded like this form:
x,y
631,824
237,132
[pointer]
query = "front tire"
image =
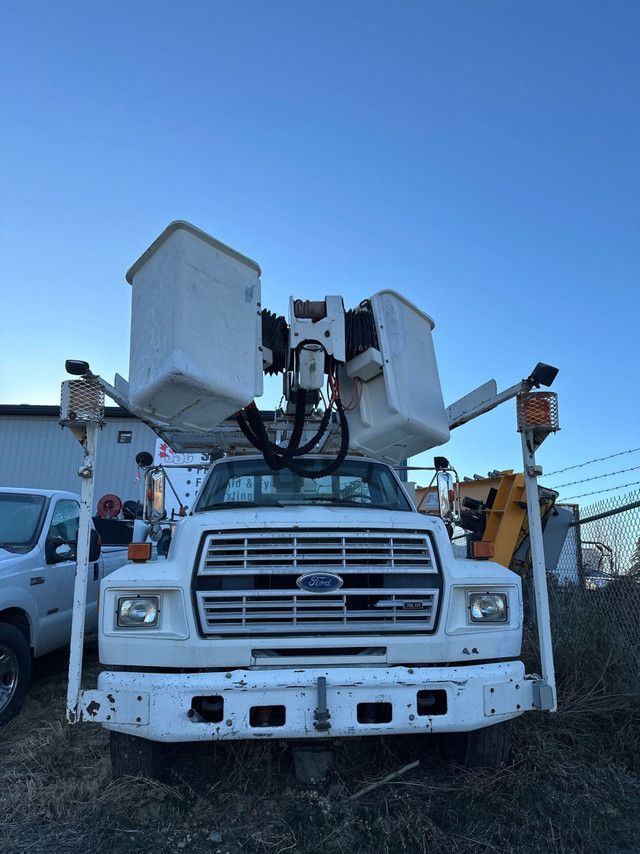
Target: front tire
x,y
132,756
489,747
15,671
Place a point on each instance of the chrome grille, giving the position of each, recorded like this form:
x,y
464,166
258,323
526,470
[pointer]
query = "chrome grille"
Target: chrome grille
x,y
308,550
246,582
283,612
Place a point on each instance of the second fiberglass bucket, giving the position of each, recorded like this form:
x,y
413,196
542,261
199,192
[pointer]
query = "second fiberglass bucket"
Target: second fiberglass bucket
x,y
196,329
401,412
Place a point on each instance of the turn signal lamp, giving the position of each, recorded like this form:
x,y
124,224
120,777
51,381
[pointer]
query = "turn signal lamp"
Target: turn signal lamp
x,y
139,552
484,551
538,409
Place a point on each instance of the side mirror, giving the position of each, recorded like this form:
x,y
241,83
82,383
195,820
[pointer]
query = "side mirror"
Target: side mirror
x,y
95,546
154,509
57,550
445,491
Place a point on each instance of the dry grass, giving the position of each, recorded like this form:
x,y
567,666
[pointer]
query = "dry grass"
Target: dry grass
x,y
574,788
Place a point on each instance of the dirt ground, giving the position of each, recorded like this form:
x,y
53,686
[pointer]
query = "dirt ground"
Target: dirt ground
x,y
574,786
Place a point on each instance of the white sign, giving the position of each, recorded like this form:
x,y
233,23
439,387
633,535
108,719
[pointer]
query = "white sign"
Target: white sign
x,y
186,473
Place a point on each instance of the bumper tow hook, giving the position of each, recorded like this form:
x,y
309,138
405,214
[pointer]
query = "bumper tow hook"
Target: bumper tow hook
x,y
321,715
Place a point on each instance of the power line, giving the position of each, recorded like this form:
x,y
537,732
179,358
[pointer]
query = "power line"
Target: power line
x,y
598,491
597,477
588,463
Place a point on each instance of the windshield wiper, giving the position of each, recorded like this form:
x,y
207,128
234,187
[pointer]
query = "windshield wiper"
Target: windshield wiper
x,y
222,505
348,501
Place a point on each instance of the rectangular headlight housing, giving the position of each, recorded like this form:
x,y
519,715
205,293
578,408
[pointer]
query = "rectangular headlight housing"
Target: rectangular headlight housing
x,y
487,607
138,612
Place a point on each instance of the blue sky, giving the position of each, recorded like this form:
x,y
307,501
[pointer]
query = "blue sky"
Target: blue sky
x,y
482,158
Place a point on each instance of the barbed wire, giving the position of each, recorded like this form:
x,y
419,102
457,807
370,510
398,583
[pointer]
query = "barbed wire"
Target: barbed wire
x,y
598,491
597,477
588,462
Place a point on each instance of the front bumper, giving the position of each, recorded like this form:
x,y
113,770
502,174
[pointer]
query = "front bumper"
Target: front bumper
x,y
158,706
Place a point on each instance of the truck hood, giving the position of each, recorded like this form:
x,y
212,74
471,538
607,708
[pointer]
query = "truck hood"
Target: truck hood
x,y
291,517
320,516
9,560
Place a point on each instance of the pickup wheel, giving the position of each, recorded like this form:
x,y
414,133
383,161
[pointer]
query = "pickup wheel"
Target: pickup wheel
x,y
132,756
15,671
489,747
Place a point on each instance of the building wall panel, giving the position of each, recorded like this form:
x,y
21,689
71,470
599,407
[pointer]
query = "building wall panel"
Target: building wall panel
x,y
36,452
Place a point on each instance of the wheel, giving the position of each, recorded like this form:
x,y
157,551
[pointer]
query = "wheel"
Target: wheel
x,y
15,671
132,756
489,747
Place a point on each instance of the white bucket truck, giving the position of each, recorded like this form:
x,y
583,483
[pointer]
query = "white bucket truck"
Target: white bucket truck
x,y
303,597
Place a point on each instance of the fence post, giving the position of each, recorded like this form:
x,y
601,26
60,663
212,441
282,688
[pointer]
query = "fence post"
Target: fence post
x,y
579,562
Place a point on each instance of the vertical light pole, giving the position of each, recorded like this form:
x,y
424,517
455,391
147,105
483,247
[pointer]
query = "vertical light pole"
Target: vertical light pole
x,y
537,417
82,410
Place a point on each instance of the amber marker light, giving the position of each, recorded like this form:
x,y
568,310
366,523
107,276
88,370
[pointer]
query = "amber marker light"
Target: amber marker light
x,y
139,552
484,551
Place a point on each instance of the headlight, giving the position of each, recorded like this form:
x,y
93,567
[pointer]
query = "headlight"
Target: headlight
x,y
488,607
138,611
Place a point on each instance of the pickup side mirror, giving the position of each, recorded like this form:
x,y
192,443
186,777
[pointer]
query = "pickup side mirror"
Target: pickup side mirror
x,y
58,550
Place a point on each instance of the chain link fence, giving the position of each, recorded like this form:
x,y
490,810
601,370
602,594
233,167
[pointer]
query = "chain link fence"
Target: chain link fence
x,y
594,596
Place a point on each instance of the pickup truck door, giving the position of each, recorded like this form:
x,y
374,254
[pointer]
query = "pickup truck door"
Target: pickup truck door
x,y
60,571
51,581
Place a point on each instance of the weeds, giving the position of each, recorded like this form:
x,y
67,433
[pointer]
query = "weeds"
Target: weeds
x,y
573,787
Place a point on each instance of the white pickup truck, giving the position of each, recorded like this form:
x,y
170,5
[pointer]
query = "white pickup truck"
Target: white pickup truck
x,y
38,532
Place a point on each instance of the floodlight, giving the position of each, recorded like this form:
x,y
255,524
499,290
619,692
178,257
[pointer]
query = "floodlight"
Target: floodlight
x,y
76,367
543,375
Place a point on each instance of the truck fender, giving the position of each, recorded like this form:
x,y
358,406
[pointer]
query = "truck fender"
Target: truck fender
x,y
18,599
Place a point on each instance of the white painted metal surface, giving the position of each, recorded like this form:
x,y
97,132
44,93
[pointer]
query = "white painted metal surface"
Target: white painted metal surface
x,y
401,411
170,698
546,695
88,442
196,329
480,400
328,330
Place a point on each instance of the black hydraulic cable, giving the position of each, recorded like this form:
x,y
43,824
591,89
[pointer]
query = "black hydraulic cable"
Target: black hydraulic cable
x,y
299,452
272,453
298,423
292,448
247,431
322,429
297,467
257,425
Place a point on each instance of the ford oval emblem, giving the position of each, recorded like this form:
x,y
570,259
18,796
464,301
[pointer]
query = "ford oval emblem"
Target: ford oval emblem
x,y
319,582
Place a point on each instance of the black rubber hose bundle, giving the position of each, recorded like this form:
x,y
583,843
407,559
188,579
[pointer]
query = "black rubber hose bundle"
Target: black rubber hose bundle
x,y
277,457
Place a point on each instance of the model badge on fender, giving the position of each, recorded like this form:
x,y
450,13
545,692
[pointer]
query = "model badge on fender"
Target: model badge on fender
x,y
319,582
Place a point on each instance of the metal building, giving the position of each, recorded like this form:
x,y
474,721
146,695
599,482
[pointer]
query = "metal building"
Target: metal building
x,y
36,452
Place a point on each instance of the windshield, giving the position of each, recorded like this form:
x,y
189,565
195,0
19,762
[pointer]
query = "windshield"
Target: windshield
x,y
20,519
251,483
